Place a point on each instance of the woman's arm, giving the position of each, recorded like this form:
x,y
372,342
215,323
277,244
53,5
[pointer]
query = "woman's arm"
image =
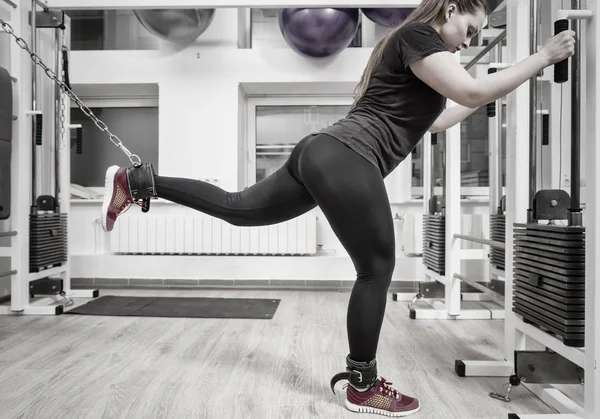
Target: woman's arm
x,y
451,117
444,74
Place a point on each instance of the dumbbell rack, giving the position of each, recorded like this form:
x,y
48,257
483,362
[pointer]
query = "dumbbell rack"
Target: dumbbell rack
x,y
17,226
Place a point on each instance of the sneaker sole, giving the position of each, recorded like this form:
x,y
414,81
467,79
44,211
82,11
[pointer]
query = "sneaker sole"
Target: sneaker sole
x,y
109,183
366,409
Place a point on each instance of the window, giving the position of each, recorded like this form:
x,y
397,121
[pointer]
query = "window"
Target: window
x,y
97,30
276,125
474,157
136,126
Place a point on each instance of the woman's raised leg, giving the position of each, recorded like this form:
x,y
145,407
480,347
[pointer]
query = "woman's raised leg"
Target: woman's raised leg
x,y
277,198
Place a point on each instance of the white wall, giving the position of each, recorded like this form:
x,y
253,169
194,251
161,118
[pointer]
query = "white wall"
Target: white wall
x,y
201,118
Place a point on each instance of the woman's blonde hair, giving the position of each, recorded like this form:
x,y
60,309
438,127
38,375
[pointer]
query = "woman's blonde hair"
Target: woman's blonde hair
x,y
432,12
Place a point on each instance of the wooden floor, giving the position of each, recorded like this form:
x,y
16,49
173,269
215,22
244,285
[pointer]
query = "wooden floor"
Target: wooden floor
x,y
83,367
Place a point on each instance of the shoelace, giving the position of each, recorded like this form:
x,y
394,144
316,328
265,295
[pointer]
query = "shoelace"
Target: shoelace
x,y
386,388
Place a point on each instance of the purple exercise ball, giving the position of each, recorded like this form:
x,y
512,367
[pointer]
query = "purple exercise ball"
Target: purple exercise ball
x,y
387,17
318,32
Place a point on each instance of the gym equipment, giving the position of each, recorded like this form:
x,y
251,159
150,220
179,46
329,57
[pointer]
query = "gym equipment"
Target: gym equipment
x,y
38,250
434,225
48,226
133,158
174,25
387,17
498,234
318,32
549,259
215,308
541,367
6,118
443,253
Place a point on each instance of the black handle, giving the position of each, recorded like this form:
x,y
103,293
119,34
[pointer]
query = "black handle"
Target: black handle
x,y
491,107
79,133
39,125
561,69
535,280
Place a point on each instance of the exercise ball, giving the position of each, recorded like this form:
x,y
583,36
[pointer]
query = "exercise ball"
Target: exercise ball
x,y
387,17
176,25
318,32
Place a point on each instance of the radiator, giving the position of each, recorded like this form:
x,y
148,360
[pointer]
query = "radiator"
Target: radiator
x,y
205,235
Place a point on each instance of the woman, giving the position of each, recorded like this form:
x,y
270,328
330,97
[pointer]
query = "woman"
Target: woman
x,y
401,95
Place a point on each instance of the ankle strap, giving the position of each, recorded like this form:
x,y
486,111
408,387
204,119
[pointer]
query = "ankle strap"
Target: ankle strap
x,y
359,374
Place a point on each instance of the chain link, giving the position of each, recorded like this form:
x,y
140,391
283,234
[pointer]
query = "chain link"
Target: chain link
x,y
134,158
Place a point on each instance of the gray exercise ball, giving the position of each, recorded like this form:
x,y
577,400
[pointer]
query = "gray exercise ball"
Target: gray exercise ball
x,y
176,25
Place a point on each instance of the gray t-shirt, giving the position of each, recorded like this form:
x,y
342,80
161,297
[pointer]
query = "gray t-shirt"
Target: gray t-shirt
x,y
397,108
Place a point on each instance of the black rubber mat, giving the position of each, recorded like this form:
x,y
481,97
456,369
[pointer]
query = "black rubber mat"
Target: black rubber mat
x,y
216,308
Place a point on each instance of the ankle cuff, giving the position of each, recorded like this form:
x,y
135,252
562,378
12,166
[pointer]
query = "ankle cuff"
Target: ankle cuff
x,y
362,374
141,181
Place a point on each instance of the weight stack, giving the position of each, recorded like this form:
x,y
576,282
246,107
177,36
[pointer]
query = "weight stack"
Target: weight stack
x,y
434,242
47,241
549,279
498,233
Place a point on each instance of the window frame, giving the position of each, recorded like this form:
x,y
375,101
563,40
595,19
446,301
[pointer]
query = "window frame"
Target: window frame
x,y
292,100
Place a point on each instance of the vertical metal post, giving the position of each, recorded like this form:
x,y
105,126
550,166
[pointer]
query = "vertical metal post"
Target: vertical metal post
x,y
33,46
517,161
58,44
433,144
533,93
452,193
500,129
495,151
591,94
427,173
575,216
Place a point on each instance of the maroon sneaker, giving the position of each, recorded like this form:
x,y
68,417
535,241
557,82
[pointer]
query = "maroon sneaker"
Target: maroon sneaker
x,y
124,187
117,198
381,399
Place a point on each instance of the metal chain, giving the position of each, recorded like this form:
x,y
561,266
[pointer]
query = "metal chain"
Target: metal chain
x,y
134,158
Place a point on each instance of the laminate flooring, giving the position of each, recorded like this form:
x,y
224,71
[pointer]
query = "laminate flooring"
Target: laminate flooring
x,y
80,367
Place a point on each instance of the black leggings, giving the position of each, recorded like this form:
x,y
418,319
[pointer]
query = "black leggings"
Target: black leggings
x,y
349,190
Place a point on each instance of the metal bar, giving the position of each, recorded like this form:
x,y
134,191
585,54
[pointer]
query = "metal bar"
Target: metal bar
x,y
10,3
42,4
495,296
13,79
487,49
434,142
34,81
491,243
58,121
9,273
8,233
533,98
500,131
208,4
575,219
